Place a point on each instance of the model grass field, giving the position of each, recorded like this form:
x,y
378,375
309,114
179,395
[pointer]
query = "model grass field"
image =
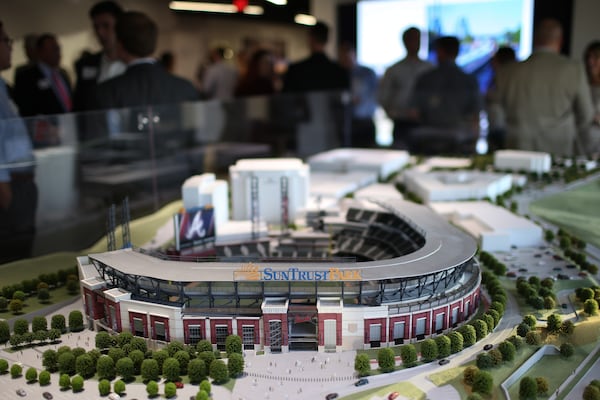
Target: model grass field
x,y
576,211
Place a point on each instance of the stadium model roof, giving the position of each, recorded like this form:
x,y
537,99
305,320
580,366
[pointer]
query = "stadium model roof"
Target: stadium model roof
x,y
445,247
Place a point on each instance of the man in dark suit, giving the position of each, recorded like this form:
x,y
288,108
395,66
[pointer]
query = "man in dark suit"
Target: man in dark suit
x,y
95,68
44,88
144,82
317,72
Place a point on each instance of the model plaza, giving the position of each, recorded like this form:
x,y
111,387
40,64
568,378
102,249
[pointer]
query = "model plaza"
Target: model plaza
x,y
372,273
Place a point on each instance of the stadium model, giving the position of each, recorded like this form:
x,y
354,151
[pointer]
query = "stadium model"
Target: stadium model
x,y
372,274
387,273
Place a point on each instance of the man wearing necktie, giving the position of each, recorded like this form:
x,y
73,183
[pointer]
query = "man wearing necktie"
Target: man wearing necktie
x,y
44,89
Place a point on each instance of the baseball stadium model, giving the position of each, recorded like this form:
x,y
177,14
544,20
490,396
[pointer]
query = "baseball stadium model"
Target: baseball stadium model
x,y
381,272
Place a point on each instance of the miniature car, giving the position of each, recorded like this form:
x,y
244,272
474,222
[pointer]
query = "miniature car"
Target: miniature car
x,y
522,269
443,361
557,269
488,346
564,305
562,276
179,385
21,392
47,395
557,257
331,396
113,396
393,395
361,382
571,266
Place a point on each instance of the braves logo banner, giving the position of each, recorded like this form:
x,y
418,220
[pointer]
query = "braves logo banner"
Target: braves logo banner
x,y
194,227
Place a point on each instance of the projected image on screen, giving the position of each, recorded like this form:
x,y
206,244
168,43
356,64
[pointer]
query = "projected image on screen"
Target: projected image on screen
x,y
481,25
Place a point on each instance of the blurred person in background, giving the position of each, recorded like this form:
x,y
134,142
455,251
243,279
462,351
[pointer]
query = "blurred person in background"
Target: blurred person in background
x,y
546,98
94,68
497,121
397,83
259,76
18,191
363,89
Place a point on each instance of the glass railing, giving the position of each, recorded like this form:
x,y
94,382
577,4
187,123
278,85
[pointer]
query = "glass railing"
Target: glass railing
x,y
85,162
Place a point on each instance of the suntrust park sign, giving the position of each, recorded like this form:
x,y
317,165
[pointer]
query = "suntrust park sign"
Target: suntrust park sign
x,y
252,272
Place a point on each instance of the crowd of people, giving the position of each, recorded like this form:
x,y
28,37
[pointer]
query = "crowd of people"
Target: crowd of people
x,y
545,103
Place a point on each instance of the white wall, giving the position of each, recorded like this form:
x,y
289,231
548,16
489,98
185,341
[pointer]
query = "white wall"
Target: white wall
x,y
585,26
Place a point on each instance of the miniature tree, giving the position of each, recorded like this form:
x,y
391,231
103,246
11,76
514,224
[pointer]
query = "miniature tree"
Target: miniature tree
x,y
138,343
530,320
103,340
542,385
54,334
43,295
408,354
567,328
150,370
3,303
16,340
105,368
567,350
15,306
523,329
152,389
235,365
590,307
116,353
125,369
483,382
171,369
385,358
233,344
428,350
3,366
218,372
456,342
196,370
50,360
44,378
104,387
58,322
77,383
39,324
64,381
160,356
206,386
443,344
481,329
508,351
489,321
124,338
362,364
533,338
31,375
75,321
119,387
19,295
496,356
137,357
66,363
174,346
202,395
469,335
20,326
170,390
41,336
204,345
207,356
469,374
527,388
4,332
554,323
183,357
85,366
484,361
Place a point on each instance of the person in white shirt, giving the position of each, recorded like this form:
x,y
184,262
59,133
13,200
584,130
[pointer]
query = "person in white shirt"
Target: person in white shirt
x,y
396,86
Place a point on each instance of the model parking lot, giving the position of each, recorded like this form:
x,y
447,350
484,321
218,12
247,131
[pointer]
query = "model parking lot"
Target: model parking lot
x,y
541,261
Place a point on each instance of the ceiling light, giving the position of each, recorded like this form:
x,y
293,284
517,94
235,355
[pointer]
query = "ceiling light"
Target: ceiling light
x,y
305,19
278,2
213,7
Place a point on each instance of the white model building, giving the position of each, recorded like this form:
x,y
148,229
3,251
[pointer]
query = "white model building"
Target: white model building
x,y
271,176
378,191
518,160
496,228
456,185
380,161
339,184
203,190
